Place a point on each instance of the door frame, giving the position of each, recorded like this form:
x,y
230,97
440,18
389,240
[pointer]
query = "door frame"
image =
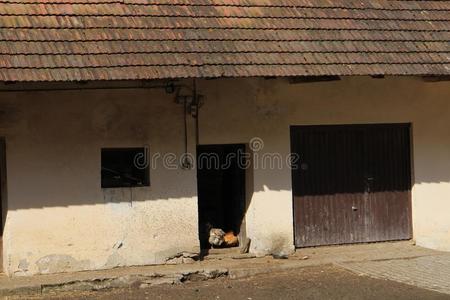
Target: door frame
x,y
411,154
243,206
3,185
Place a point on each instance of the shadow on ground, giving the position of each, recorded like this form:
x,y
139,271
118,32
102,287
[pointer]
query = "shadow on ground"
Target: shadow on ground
x,y
323,282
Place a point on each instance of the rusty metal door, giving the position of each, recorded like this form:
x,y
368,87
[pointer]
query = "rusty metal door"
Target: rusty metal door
x,y
352,184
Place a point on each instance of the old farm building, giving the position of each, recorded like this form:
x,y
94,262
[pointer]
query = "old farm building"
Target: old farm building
x,y
341,110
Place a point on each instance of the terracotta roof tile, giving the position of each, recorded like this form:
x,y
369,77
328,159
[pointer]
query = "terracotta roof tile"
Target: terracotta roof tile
x,y
64,40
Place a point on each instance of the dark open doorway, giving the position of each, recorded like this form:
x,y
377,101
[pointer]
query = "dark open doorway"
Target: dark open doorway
x,y
3,202
221,190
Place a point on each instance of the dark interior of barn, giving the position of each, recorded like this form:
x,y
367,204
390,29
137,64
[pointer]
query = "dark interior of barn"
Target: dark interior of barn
x,y
221,189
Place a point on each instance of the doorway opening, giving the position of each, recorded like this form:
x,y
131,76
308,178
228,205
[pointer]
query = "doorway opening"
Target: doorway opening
x,y
221,193
3,201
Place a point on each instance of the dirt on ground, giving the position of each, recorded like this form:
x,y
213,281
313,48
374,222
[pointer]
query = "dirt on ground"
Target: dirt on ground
x,y
326,282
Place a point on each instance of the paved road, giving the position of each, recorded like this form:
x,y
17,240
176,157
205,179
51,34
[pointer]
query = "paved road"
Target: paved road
x,y
326,282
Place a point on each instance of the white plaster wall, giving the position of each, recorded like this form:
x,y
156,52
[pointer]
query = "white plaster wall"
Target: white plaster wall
x,y
59,219
238,110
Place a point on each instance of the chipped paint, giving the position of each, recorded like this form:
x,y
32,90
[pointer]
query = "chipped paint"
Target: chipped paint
x,y
58,263
58,211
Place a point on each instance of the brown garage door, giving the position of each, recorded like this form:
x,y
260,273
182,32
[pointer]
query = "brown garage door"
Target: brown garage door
x,y
352,184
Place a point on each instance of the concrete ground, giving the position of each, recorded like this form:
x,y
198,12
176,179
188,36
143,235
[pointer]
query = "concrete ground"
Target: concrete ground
x,y
320,282
399,262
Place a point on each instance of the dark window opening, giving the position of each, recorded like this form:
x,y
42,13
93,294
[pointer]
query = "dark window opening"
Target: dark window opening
x,y
125,167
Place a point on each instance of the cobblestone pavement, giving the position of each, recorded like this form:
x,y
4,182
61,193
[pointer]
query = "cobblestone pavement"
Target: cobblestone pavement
x,y
320,282
428,272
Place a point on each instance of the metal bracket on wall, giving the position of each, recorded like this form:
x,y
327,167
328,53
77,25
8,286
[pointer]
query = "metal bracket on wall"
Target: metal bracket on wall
x,y
192,101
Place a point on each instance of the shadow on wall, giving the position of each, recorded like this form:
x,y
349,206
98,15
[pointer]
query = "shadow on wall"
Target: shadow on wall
x,y
54,152
54,146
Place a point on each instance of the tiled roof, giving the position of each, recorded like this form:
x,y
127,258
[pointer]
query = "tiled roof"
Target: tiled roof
x,y
65,40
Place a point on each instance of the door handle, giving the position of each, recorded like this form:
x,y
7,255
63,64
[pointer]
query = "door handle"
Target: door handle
x,y
369,178
369,183
354,208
